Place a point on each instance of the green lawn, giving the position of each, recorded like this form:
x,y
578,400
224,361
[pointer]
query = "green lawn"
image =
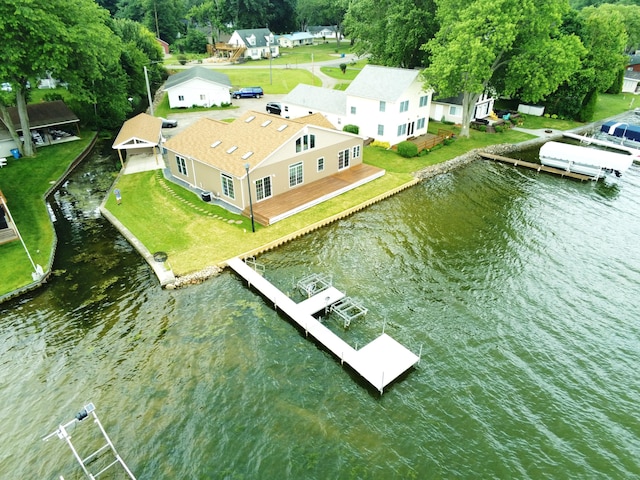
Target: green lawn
x,y
195,234
147,196
24,183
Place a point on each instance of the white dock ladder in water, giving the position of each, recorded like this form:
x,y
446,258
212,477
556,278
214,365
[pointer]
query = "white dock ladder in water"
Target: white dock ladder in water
x,y
63,434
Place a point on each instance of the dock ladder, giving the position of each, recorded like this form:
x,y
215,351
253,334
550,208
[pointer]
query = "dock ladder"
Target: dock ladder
x,y
63,434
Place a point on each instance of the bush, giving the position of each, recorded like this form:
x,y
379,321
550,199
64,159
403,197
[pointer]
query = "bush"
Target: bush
x,y
378,143
343,67
351,129
407,149
182,59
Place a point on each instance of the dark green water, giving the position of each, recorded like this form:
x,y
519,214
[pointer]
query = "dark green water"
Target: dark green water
x,y
521,289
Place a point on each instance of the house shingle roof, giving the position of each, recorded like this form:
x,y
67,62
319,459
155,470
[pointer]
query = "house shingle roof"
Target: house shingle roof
x,y
46,114
256,132
261,35
318,98
143,128
382,83
197,72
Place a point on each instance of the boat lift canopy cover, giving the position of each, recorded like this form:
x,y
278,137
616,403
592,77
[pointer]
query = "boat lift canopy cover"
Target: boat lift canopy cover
x,y
585,156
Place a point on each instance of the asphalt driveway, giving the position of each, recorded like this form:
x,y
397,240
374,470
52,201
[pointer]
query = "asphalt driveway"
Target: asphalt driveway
x,y
243,104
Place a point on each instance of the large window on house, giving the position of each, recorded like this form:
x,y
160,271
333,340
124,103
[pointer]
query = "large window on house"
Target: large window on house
x,y
383,105
402,129
182,165
380,129
453,110
263,188
424,100
305,142
404,106
295,174
320,164
181,98
356,152
227,185
343,159
353,110
421,122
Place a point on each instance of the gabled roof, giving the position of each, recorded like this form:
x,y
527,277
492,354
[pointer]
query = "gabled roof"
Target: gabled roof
x,y
141,131
255,136
45,114
318,98
261,35
382,83
449,100
197,72
634,59
316,119
631,75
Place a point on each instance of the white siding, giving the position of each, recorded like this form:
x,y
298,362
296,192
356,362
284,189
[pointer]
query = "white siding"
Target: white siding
x,y
198,92
368,116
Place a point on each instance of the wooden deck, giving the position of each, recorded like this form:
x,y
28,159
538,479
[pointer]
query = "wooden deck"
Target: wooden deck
x,y
308,195
379,362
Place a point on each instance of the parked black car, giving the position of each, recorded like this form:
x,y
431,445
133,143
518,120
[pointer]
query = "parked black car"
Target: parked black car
x,y
274,107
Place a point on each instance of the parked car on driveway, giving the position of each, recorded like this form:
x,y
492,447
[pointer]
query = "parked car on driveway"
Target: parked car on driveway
x,y
274,107
248,92
166,123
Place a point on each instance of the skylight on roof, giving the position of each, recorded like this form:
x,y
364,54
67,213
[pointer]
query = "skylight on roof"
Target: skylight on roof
x,y
282,127
215,144
266,123
247,155
232,149
250,118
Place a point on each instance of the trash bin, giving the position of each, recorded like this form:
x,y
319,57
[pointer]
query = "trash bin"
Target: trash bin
x,y
206,196
342,55
15,152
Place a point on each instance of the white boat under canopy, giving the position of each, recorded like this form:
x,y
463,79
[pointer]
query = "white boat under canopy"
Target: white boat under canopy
x,y
587,161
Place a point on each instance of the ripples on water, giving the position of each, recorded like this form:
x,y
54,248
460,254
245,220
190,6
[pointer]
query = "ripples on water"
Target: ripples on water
x,y
520,288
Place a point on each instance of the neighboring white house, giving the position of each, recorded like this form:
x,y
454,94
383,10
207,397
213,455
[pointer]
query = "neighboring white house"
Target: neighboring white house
x,y
630,81
450,109
323,31
388,104
306,100
295,39
198,86
259,43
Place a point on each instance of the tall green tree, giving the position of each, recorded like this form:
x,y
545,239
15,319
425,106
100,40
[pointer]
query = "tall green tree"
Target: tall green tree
x,y
165,18
61,37
513,45
139,50
392,32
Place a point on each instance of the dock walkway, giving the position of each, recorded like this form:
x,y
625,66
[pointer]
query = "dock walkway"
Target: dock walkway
x,y
535,166
379,362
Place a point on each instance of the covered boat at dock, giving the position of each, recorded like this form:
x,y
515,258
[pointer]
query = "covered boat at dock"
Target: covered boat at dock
x,y
587,161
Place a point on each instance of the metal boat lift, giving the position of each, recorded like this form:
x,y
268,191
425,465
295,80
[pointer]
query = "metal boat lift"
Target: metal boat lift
x,y
348,309
314,283
63,434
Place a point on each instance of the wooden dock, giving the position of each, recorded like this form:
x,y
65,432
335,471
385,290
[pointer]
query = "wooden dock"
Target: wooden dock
x,y
379,362
536,166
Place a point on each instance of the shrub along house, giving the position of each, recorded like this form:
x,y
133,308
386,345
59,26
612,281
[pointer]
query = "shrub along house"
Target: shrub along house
x,y
290,165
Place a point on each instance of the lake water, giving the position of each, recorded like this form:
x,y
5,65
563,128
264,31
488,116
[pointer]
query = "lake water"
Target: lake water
x,y
520,288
